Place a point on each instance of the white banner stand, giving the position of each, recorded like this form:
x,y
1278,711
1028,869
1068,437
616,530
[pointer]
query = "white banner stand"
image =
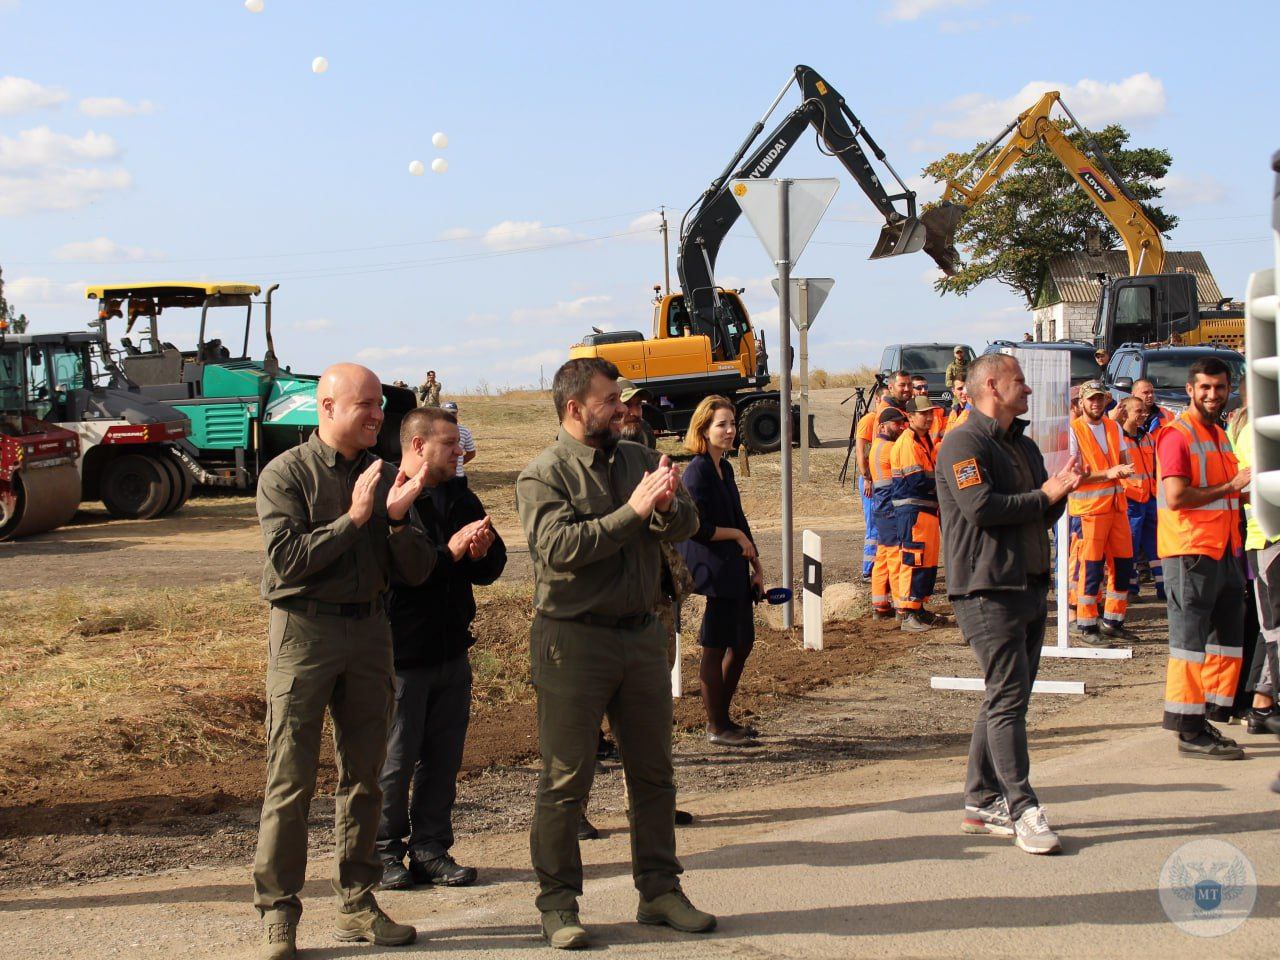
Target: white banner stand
x,y
811,545
1048,373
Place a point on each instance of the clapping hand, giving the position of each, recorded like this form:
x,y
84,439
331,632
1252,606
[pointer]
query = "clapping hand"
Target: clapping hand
x,y
361,508
403,492
1064,481
656,489
463,543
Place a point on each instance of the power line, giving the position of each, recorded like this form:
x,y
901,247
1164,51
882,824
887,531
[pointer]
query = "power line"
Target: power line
x,y
308,253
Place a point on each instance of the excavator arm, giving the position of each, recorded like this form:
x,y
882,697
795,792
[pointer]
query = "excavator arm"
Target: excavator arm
x,y
1092,171
838,131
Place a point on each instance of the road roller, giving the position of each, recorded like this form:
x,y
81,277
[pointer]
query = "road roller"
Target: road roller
x,y
39,483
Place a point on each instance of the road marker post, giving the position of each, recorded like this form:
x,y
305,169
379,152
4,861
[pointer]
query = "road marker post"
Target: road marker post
x,y
811,544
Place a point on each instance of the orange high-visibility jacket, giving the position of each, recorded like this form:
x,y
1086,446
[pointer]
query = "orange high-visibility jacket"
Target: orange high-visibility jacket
x,y
1098,496
913,457
1141,452
939,425
1208,529
957,416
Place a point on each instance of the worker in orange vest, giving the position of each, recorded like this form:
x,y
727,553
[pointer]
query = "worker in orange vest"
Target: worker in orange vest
x,y
920,388
1198,537
915,507
886,574
1102,508
1140,489
959,404
864,434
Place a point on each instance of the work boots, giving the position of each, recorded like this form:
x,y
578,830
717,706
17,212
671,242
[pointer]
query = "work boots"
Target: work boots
x,y
279,937
373,926
675,911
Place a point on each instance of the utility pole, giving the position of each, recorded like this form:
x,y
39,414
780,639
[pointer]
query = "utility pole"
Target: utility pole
x,y
666,255
783,263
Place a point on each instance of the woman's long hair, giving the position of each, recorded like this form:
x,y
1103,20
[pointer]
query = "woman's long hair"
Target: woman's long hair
x,y
695,438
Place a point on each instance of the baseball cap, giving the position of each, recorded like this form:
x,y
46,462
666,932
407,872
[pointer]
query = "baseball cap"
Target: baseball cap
x,y
959,348
629,390
891,415
450,406
1092,388
920,405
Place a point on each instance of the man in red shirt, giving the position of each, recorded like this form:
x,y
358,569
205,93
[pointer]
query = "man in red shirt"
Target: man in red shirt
x,y
1198,539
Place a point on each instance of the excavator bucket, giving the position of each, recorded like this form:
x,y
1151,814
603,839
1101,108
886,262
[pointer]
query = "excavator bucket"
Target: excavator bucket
x,y
940,225
901,236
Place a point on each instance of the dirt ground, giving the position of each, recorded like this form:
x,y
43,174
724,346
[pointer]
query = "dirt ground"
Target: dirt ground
x,y
129,747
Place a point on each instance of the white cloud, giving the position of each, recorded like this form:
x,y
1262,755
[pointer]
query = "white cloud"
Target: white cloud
x,y
593,308
61,189
46,172
1137,97
915,9
41,290
532,363
42,147
457,233
314,325
518,234
20,95
426,352
931,276
102,250
114,107
1194,191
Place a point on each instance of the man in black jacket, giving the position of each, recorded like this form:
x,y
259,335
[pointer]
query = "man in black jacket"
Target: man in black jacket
x,y
431,630
997,504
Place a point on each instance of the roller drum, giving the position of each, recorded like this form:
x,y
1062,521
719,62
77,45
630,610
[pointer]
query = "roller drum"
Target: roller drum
x,y
44,498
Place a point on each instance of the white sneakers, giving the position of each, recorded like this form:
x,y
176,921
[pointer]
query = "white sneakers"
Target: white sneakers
x,y
1033,834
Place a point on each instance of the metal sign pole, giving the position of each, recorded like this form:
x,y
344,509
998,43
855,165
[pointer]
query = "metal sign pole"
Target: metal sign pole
x,y
802,311
784,387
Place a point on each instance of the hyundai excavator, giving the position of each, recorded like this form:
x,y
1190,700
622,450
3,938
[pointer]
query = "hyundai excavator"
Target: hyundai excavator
x,y
1149,305
702,340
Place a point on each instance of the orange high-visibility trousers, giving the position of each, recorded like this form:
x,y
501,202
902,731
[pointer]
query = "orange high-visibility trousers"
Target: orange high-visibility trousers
x,y
920,548
1206,627
1104,537
886,573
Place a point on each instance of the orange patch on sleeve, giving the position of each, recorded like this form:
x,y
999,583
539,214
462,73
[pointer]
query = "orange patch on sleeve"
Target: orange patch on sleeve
x,y
967,474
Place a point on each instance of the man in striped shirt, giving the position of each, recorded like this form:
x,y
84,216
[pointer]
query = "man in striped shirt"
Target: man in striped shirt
x,y
465,440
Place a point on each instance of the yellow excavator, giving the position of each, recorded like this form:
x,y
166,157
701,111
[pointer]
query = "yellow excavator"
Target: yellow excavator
x,y
702,339
1149,305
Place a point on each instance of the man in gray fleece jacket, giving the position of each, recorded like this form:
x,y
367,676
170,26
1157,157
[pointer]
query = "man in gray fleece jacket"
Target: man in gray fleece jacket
x,y
997,504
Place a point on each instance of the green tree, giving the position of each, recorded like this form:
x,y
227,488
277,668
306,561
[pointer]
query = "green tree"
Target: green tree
x,y
1037,211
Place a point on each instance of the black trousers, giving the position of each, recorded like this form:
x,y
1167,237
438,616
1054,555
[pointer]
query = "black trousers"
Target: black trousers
x,y
1005,628
424,752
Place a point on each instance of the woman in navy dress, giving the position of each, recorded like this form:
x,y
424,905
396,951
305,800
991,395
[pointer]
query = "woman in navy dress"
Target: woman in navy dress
x,y
725,566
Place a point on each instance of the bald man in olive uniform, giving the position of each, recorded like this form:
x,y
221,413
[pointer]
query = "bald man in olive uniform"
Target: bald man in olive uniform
x,y
338,525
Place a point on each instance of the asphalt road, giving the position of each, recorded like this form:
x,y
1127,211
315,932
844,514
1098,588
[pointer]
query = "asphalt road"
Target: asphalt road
x,y
867,862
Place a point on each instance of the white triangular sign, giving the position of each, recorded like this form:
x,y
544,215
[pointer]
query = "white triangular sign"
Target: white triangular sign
x,y
819,287
807,201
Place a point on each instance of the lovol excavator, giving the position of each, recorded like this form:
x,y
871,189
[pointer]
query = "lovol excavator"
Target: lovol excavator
x,y
703,341
1149,305
39,484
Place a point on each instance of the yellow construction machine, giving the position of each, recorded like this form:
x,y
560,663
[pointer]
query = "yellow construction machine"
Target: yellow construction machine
x,y
1147,306
702,339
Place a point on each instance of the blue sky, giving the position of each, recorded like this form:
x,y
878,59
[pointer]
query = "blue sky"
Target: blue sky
x,y
148,139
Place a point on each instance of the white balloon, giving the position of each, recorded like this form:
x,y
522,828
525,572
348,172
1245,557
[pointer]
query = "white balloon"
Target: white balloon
x,y
417,168
439,140
439,165
319,65
253,6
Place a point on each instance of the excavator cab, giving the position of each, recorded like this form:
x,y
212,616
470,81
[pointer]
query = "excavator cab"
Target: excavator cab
x,y
1149,309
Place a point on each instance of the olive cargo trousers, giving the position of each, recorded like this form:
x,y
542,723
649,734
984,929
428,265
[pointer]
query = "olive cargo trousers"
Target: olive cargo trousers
x,y
315,662
581,673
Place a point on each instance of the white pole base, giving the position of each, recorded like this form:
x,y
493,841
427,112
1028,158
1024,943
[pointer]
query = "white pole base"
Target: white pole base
x,y
1088,653
1075,687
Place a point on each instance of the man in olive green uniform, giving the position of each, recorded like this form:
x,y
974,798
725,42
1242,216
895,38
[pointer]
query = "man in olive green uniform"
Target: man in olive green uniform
x,y
338,524
595,511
